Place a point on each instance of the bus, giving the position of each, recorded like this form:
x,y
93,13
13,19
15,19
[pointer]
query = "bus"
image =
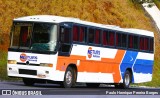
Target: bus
x,y
67,50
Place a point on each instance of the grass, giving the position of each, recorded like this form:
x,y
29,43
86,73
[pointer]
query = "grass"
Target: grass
x,y
155,77
3,67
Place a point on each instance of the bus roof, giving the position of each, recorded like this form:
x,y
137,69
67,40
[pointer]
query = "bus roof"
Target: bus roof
x,y
59,19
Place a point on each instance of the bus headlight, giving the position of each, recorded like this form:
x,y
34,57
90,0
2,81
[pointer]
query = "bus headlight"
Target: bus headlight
x,y
46,64
12,62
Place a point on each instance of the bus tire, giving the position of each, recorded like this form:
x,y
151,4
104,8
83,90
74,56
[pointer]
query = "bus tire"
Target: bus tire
x,y
126,81
69,78
28,81
92,85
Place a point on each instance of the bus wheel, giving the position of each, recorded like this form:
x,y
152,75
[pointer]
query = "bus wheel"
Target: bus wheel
x,y
126,81
69,78
92,85
28,81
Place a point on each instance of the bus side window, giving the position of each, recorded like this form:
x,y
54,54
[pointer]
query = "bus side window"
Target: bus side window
x,y
130,41
111,38
141,45
97,36
79,34
135,42
91,36
65,34
82,37
108,38
105,38
121,40
124,40
118,39
151,44
75,33
146,44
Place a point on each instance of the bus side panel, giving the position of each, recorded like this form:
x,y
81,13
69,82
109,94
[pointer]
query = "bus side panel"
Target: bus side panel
x,y
110,67
141,65
142,69
104,69
128,62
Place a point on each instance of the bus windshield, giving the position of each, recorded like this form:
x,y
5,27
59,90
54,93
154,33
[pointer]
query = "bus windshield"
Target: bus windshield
x,y
34,36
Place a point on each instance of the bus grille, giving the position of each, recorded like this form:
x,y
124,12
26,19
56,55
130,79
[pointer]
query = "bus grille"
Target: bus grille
x,y
19,63
27,72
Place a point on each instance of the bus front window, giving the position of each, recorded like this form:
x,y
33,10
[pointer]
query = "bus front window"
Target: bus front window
x,y
34,36
21,35
44,37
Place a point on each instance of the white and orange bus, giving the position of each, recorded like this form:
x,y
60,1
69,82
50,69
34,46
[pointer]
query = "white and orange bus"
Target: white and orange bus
x,y
68,50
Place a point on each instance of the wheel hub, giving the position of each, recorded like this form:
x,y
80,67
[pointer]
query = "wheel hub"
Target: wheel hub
x,y
68,77
127,79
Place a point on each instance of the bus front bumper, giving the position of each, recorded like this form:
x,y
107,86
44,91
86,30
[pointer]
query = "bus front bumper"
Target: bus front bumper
x,y
26,71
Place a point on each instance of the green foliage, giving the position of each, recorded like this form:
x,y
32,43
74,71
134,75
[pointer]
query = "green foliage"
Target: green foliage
x,y
3,63
3,67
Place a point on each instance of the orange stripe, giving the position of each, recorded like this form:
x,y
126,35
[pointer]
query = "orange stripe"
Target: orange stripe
x,y
106,65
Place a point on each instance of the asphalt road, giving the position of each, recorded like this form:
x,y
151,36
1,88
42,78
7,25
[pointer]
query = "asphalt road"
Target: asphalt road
x,y
18,88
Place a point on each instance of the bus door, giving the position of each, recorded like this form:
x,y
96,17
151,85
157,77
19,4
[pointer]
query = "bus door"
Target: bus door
x,y
65,39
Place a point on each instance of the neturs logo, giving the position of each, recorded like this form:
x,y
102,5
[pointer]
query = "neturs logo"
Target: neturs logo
x,y
93,53
24,57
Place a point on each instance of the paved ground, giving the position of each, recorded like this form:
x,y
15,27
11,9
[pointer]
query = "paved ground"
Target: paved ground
x,y
18,88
